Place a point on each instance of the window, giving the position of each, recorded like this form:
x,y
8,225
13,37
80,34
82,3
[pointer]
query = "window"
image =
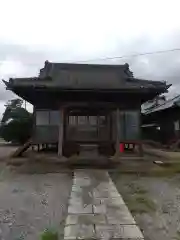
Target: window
x,y
93,120
54,118
82,120
102,120
72,120
47,118
42,118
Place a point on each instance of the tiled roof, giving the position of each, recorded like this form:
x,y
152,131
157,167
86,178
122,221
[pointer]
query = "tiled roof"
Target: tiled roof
x,y
167,104
75,76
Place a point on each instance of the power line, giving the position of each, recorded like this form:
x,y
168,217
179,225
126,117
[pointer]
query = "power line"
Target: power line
x,y
132,55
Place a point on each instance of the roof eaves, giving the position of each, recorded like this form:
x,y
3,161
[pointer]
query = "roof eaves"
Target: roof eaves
x,y
7,84
149,82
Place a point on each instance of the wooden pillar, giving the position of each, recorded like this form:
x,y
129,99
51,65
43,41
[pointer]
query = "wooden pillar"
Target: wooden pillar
x,y
98,125
140,147
61,133
117,132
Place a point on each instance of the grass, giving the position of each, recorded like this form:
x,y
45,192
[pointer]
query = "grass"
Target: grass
x,y
155,171
140,203
147,168
167,171
137,199
40,168
147,202
175,167
136,189
135,196
49,235
177,236
164,208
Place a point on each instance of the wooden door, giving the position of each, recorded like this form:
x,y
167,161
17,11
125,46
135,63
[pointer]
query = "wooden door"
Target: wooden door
x,y
88,128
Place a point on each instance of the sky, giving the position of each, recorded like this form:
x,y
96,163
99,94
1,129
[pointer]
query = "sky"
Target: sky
x,y
32,31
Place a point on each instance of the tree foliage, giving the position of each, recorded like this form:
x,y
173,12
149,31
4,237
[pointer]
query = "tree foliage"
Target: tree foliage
x,y
11,108
16,123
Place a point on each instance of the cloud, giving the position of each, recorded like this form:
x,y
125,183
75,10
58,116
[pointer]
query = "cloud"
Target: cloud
x,y
72,31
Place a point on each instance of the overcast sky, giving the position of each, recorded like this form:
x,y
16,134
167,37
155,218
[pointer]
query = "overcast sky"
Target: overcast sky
x,y
32,31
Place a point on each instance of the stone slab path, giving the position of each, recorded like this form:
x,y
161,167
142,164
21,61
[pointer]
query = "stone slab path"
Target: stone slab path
x,y
97,211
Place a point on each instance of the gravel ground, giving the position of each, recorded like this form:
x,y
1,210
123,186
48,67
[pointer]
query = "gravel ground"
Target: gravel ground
x,y
162,221
6,150
31,203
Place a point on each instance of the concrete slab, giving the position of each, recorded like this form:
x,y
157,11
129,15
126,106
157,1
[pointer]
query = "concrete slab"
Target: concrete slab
x,y
118,232
88,219
74,200
77,188
122,218
100,194
82,182
101,209
76,195
105,194
79,232
109,201
80,209
96,209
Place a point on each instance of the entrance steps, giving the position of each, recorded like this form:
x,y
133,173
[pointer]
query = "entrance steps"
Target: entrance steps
x,y
88,150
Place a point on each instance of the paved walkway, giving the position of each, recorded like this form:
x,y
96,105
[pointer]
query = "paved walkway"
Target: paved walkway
x,y
96,209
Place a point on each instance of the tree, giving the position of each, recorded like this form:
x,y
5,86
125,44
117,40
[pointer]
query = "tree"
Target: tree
x,y
17,122
11,106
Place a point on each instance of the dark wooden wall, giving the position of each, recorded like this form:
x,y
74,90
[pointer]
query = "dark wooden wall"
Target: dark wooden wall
x,y
129,123
45,133
165,119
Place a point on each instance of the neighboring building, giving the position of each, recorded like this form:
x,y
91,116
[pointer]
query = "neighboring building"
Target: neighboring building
x,y
162,121
78,104
153,103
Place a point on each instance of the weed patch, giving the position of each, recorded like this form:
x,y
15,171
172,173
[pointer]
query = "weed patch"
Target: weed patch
x,y
49,235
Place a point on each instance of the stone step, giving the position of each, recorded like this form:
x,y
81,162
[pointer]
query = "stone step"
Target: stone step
x,y
88,147
88,150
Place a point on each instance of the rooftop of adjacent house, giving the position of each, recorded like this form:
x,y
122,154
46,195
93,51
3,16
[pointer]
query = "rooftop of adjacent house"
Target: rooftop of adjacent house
x,y
163,106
